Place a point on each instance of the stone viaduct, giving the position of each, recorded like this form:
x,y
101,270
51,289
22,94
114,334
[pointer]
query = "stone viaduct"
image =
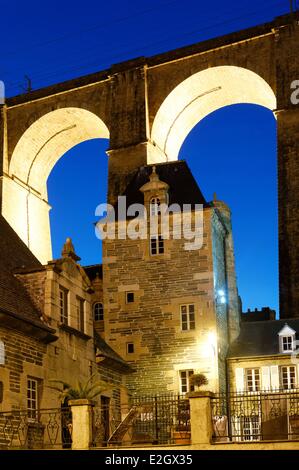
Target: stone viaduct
x,y
147,107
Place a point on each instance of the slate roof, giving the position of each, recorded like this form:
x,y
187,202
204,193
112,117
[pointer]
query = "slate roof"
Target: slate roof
x,y
14,256
93,270
109,354
183,188
260,338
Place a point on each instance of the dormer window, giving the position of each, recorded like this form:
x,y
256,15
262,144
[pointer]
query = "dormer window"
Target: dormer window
x,y
287,339
287,343
155,206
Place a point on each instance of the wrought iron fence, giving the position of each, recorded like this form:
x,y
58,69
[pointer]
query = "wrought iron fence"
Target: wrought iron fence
x,y
256,416
45,429
145,420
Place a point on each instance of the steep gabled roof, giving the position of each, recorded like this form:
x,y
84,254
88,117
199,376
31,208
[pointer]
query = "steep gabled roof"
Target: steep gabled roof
x,y
14,299
110,356
260,338
183,188
94,270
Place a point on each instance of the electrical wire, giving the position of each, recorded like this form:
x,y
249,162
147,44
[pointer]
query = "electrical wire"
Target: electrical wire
x,y
103,25
57,72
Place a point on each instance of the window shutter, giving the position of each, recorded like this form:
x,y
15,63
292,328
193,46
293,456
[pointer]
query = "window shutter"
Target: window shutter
x,y
274,378
266,378
240,379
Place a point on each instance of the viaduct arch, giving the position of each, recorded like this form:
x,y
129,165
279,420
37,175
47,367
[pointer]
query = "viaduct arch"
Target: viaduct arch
x,y
147,106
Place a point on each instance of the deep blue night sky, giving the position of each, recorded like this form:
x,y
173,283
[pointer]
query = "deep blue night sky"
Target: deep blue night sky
x,y
231,152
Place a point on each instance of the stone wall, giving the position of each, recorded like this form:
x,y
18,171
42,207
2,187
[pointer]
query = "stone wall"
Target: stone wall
x,y
24,356
152,322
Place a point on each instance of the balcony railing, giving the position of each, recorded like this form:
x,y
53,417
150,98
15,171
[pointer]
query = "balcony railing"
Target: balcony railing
x,y
147,420
256,416
45,429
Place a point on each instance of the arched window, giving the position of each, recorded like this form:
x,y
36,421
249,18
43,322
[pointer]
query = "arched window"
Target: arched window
x,y
98,311
2,353
155,206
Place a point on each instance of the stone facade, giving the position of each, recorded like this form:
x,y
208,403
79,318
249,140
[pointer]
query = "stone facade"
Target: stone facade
x,y
161,284
260,348
128,103
24,357
71,356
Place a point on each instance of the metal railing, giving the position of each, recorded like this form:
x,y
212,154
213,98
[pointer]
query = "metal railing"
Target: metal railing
x,y
147,420
44,429
256,416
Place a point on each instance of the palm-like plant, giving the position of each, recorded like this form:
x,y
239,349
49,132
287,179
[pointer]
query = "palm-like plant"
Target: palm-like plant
x,y
87,390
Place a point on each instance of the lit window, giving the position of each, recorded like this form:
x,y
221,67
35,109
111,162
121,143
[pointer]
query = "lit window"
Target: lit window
x,y
288,377
185,386
287,339
129,297
63,305
251,427
188,317
287,343
80,313
253,380
32,398
98,311
2,353
130,348
155,206
157,245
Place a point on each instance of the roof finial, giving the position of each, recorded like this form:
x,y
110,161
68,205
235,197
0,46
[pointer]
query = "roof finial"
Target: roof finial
x,y
68,250
215,197
154,176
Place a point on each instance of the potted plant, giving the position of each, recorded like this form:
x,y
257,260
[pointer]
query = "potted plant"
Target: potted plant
x,y
198,380
87,391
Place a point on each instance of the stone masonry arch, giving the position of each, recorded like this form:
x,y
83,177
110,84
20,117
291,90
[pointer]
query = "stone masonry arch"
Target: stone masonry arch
x,y
201,94
149,105
33,158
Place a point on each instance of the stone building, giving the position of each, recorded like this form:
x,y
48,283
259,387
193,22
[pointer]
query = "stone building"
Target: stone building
x,y
171,311
46,329
263,371
263,357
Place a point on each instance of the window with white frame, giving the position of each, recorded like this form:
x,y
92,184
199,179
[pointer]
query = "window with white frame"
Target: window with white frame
x,y
251,427
185,385
63,305
2,353
287,339
98,311
287,343
188,317
288,377
80,313
253,380
157,245
32,398
155,206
